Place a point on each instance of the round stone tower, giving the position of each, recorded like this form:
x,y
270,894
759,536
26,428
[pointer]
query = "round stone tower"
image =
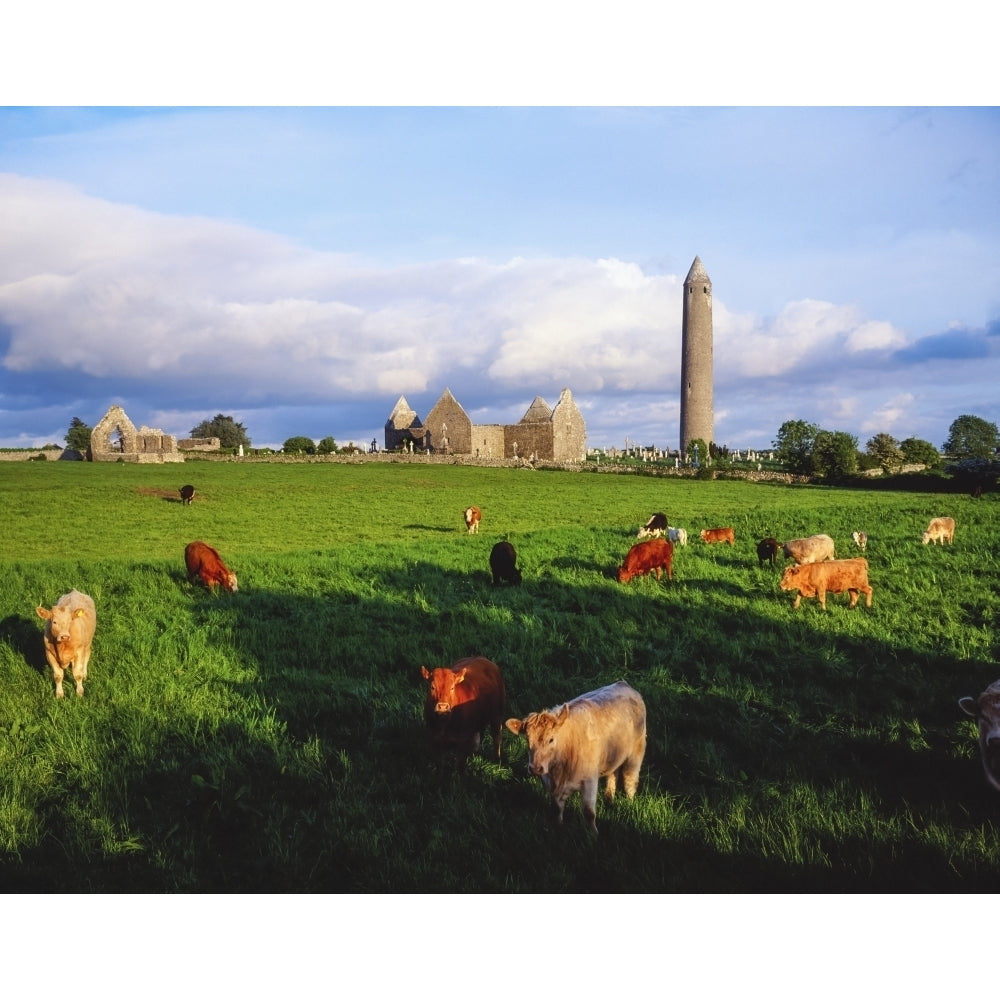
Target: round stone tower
x,y
696,358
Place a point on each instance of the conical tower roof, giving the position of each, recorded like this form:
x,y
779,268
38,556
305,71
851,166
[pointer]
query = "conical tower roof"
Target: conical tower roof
x,y
698,273
538,413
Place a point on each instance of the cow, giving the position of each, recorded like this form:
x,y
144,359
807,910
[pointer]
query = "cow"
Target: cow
x,y
502,564
986,711
187,494
860,539
678,536
651,556
835,577
656,526
767,550
712,535
940,530
69,632
598,734
463,702
204,562
473,515
813,549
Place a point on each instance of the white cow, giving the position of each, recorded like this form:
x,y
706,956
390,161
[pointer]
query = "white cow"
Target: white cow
x,y
986,711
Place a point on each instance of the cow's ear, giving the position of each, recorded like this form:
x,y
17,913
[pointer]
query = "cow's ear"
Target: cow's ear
x,y
967,705
425,672
563,713
79,613
460,676
515,726
44,612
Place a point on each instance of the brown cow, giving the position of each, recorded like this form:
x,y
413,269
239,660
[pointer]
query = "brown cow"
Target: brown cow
x,y
204,562
601,733
834,577
463,702
940,530
986,711
69,633
767,550
473,515
713,535
652,556
813,549
502,564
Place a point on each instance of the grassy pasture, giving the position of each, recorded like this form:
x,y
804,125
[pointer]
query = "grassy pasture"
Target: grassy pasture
x,y
272,740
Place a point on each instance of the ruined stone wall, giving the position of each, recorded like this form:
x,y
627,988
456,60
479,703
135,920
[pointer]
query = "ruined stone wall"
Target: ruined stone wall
x,y
488,441
199,444
530,440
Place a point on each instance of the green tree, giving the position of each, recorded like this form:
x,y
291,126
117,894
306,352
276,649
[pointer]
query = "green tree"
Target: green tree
x,y
884,448
78,435
835,454
703,453
327,446
228,431
794,445
918,452
299,445
971,437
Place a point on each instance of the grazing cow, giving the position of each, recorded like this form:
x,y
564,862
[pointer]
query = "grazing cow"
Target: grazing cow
x,y
463,702
652,556
813,549
986,711
601,733
473,515
819,579
502,564
940,530
712,535
656,526
678,536
977,491
187,494
204,562
69,632
767,550
860,539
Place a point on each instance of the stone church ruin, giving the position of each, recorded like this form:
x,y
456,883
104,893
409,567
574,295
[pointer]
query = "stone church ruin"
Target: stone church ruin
x,y
115,439
557,434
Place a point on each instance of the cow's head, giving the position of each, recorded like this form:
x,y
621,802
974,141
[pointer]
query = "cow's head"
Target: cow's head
x,y
229,581
790,578
441,691
542,730
986,711
61,618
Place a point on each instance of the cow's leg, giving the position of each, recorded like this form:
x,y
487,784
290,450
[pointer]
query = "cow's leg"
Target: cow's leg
x,y
798,600
79,675
868,597
588,795
57,673
854,595
630,769
611,785
821,594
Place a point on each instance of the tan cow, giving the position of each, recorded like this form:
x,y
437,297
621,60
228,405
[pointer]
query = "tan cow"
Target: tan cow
x,y
986,711
834,577
813,549
712,536
69,631
601,733
940,530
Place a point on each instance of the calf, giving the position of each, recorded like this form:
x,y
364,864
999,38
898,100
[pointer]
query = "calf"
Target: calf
x,y
652,556
187,494
598,734
473,515
502,564
656,526
204,562
986,711
713,535
462,703
69,631
860,539
835,577
678,536
767,550
940,530
813,549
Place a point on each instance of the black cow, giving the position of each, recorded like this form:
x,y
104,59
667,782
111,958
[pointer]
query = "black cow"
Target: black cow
x,y
502,560
187,494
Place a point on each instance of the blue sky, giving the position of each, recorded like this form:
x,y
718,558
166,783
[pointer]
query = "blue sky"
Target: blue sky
x,y
300,268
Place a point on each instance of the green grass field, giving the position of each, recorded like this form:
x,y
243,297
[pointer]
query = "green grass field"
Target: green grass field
x,y
272,739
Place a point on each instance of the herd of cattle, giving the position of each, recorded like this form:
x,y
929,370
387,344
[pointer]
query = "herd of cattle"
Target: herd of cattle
x,y
599,734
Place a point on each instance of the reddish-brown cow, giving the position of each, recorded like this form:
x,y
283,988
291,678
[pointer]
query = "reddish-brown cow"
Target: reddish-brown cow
x,y
713,535
204,562
473,515
463,702
652,556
